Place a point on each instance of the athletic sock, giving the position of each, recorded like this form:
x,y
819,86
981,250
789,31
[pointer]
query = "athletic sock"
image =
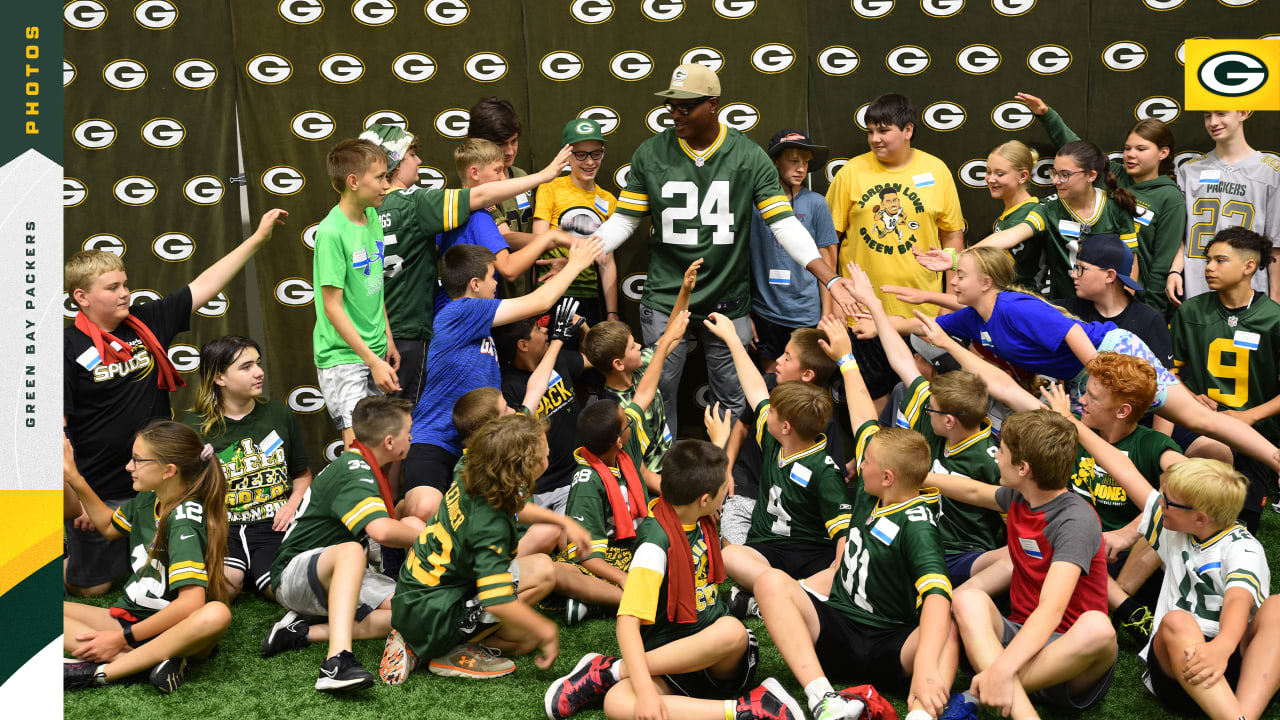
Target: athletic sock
x,y
816,690
100,674
1125,609
615,670
730,709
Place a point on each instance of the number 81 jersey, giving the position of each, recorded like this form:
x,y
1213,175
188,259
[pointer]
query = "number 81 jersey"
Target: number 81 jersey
x,y
892,557
153,586
700,205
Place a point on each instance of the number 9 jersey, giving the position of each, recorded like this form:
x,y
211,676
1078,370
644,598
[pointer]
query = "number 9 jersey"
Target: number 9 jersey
x,y
700,205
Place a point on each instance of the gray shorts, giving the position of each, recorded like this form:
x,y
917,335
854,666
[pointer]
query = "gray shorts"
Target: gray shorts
x,y
554,500
302,592
735,518
342,386
1058,695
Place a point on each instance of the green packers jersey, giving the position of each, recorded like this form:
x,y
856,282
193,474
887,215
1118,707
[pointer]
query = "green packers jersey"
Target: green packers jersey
x,y
962,527
1234,358
177,564
892,558
411,219
261,453
803,497
341,501
700,206
655,416
1144,447
1066,230
1028,255
588,503
466,550
645,594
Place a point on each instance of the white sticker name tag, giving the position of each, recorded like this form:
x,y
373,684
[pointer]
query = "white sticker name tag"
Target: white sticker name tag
x,y
1245,339
1069,228
923,180
522,200
885,530
602,205
1030,547
1144,216
1210,177
271,443
779,277
800,474
359,256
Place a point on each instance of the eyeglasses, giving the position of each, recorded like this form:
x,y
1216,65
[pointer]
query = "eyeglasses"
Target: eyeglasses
x,y
138,461
932,411
685,108
1064,175
593,154
1169,503
1079,270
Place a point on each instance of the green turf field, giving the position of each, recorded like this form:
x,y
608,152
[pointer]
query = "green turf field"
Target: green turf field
x,y
238,683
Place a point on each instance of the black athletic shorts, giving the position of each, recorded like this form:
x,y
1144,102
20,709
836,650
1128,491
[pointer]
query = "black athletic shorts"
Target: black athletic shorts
x,y
251,549
427,465
702,684
853,651
797,559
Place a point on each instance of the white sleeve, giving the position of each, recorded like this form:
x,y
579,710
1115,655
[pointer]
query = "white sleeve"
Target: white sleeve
x,y
795,239
616,230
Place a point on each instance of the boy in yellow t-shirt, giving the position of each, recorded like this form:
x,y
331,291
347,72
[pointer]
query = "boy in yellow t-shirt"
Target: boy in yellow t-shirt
x,y
575,204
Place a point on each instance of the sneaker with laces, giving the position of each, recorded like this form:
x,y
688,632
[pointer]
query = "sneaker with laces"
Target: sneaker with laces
x,y
959,709
470,660
589,679
397,661
742,604
79,675
289,633
877,708
576,611
769,701
831,707
1138,625
343,672
166,676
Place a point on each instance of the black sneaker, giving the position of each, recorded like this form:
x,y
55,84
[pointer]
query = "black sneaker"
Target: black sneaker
x,y
290,633
80,675
343,672
589,679
166,676
742,604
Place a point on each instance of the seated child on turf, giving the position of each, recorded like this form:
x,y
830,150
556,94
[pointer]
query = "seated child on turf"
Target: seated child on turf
x,y
173,606
462,581
679,644
348,501
887,619
1217,635
801,523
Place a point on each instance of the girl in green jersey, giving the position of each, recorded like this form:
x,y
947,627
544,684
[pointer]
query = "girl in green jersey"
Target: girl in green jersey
x,y
1009,167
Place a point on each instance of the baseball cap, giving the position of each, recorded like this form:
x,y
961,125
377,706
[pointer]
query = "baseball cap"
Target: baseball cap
x,y
784,139
1109,253
393,141
580,129
692,80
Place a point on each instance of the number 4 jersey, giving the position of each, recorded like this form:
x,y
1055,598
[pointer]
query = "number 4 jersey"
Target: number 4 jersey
x,y
700,207
154,586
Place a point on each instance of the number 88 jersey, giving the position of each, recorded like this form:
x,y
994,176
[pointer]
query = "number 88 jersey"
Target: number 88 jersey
x,y
700,205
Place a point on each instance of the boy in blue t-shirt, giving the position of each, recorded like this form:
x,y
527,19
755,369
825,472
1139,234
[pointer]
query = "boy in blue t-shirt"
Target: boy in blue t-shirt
x,y
463,358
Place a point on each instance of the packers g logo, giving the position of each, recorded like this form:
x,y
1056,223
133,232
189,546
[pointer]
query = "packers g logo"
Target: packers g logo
x,y
705,56
620,176
294,292
943,116
342,68
155,14
973,173
84,14
662,10
838,60
1162,108
309,235
872,9
1012,8
734,9
978,59
1183,158
203,190
702,395
907,60
560,66
1181,53
94,134
73,192
941,8
68,73
134,190
1124,56
283,180
195,74
386,117
333,450
658,119
143,296
485,67
300,12
447,12
591,12
1049,59
312,125
125,74
163,133
740,116
373,12
860,116
414,67
631,65
1162,5
173,247
216,307
69,307
772,58
1040,174
305,399
105,242
1232,73
606,117
632,286
453,123
833,167
430,178
185,358
268,69
1012,115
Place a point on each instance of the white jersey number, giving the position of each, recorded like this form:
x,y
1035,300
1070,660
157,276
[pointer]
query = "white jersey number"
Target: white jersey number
x,y
781,520
713,210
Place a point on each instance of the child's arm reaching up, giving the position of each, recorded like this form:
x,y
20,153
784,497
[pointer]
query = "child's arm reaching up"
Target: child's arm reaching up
x,y
647,389
753,385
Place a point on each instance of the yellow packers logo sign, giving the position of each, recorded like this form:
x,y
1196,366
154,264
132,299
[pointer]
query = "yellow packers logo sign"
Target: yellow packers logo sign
x,y
1232,74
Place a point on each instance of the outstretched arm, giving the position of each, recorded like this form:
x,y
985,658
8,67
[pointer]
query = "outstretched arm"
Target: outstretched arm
x,y
999,385
210,282
965,490
895,348
491,193
97,510
838,347
647,389
1118,465
753,385
582,253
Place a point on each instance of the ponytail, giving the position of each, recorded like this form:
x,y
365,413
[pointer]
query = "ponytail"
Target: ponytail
x,y
1121,196
1090,157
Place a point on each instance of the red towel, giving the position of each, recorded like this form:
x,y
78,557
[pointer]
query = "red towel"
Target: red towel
x,y
621,530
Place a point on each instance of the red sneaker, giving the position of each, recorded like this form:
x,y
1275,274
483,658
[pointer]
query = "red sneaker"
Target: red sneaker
x,y
877,707
589,679
768,701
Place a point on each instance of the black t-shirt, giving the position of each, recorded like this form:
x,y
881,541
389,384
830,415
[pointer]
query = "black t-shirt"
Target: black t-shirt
x,y
746,469
560,407
106,404
1138,318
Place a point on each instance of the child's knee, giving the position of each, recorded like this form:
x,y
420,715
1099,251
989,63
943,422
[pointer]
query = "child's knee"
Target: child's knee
x,y
620,701
970,604
772,583
213,618
537,570
1096,629
348,553
730,634
1178,622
